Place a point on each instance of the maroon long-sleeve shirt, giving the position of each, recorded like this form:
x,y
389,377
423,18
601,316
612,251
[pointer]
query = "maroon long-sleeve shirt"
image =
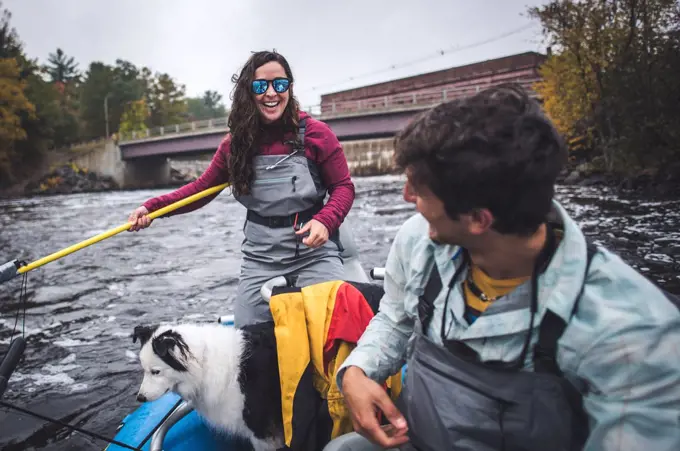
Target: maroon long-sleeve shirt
x,y
321,146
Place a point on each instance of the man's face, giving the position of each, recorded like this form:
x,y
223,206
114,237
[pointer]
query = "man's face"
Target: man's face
x,y
442,228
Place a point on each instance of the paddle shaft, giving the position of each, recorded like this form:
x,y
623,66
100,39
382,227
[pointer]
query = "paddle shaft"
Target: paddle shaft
x,y
119,229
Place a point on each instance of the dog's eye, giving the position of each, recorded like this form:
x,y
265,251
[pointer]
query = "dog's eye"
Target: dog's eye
x,y
155,372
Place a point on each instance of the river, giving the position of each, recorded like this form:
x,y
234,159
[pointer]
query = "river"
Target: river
x,y
80,363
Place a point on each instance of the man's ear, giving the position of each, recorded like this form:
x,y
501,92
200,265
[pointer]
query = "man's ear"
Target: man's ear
x,y
479,221
143,333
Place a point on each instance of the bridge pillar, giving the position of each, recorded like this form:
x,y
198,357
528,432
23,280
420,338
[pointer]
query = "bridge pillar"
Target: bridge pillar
x,y
147,172
369,156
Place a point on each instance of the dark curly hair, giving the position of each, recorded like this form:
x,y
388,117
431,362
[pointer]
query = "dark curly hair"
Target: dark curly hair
x,y
245,123
494,150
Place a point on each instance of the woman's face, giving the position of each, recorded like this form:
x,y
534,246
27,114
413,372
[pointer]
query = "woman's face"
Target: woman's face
x,y
270,89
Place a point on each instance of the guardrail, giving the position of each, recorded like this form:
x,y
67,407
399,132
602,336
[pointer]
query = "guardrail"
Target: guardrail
x,y
185,128
425,98
376,105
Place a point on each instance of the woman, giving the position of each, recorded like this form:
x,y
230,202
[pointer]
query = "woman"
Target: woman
x,y
280,163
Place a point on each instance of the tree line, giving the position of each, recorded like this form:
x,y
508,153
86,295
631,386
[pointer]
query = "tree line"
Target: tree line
x,y
56,104
610,84
612,81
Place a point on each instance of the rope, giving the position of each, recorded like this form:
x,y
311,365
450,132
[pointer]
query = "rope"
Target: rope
x,y
89,433
22,303
22,300
66,425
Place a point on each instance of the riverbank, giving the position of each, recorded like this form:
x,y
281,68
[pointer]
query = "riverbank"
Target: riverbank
x,y
65,181
69,178
649,182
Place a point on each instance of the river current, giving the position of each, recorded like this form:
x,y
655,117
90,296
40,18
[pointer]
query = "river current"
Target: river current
x,y
80,364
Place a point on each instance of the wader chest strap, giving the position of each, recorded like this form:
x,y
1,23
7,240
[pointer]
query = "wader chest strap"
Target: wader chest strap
x,y
426,301
552,328
302,127
299,143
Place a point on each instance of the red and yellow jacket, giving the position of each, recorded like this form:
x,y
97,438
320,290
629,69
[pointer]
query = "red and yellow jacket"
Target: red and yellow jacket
x,y
316,328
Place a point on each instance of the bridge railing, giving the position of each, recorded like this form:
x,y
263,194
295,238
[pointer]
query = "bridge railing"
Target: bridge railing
x,y
419,99
423,98
185,128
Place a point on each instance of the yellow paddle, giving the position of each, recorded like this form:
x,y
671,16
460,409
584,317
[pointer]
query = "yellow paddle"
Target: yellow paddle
x,y
119,229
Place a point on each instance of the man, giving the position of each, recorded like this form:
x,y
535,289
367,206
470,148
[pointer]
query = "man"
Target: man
x,y
518,332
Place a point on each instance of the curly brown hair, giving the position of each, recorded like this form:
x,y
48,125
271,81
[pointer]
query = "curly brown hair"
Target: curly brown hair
x,y
245,123
494,150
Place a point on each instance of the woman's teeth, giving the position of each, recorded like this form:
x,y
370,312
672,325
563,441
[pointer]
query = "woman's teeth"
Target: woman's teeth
x,y
271,104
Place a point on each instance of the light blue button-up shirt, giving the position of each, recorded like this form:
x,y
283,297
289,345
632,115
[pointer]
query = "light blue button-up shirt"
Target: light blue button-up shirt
x,y
623,343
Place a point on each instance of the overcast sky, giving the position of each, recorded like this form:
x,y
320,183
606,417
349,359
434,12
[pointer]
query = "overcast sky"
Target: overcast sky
x,y
201,43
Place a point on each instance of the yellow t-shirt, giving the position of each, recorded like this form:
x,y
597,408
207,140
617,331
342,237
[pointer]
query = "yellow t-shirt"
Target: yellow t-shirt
x,y
492,288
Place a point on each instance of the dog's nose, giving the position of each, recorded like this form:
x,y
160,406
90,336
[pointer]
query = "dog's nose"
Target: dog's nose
x,y
141,398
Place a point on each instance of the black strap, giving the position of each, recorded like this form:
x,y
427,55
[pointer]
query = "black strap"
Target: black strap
x,y
299,143
276,222
302,127
552,327
426,301
540,265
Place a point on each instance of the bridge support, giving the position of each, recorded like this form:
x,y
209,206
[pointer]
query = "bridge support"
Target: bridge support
x,y
364,157
149,172
143,172
369,156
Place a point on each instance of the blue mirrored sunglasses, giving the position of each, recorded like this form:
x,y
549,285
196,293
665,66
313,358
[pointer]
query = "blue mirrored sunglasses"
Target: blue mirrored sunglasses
x,y
280,85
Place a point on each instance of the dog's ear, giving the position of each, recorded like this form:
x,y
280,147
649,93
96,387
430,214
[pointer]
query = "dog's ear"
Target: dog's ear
x,y
164,344
144,333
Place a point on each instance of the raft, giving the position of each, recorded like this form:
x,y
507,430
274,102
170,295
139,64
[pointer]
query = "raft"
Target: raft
x,y
189,433
169,424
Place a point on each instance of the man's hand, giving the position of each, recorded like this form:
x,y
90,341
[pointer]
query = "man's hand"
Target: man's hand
x,y
364,398
318,233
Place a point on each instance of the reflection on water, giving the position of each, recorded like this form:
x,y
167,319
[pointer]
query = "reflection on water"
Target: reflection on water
x,y
81,365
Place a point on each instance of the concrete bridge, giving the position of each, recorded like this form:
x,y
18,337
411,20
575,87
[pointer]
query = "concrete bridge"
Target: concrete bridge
x,y
351,120
357,116
199,137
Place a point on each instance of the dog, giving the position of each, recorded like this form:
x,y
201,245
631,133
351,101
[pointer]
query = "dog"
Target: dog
x,y
230,376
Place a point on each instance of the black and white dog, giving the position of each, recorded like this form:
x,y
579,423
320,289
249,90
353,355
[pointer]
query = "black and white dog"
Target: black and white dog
x,y
230,376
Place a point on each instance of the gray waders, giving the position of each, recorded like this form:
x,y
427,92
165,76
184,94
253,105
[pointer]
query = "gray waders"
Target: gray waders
x,y
453,401
285,193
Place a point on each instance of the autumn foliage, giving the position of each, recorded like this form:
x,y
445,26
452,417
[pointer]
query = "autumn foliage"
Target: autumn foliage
x,y
13,105
58,104
611,83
